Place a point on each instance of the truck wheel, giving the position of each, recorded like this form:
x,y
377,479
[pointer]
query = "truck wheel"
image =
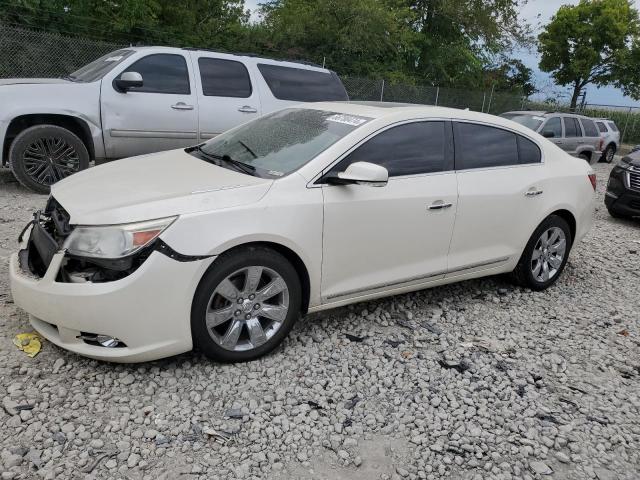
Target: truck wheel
x,y
609,153
44,154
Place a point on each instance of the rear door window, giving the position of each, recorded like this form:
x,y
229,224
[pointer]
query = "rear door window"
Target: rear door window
x,y
224,78
409,149
482,146
162,73
589,128
571,127
553,125
528,152
301,85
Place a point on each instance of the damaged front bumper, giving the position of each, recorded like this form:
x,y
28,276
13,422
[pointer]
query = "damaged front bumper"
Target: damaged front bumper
x,y
147,311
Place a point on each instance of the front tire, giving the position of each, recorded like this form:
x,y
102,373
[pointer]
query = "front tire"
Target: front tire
x,y
45,154
245,305
586,157
545,255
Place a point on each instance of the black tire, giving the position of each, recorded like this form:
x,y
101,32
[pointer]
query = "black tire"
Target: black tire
x,y
62,153
222,268
609,153
586,157
523,274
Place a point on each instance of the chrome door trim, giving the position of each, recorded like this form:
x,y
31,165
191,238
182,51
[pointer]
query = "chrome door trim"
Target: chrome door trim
x,y
208,135
472,266
381,287
151,134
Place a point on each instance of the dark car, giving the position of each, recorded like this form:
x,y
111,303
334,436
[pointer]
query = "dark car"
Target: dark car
x,y
623,190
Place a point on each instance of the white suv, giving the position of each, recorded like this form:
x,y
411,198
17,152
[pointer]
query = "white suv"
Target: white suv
x,y
142,100
610,135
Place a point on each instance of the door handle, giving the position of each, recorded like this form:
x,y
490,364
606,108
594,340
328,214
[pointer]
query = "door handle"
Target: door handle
x,y
247,109
439,205
533,192
182,106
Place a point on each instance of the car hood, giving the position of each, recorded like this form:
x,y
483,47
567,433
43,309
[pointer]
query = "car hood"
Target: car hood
x,y
15,81
154,186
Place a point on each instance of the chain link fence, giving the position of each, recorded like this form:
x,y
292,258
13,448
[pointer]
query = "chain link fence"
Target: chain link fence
x,y
36,53
368,89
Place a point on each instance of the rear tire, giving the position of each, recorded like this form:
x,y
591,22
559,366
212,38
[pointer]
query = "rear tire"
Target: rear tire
x,y
245,305
554,252
609,153
45,154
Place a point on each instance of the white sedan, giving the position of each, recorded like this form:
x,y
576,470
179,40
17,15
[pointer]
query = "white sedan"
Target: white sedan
x,y
224,245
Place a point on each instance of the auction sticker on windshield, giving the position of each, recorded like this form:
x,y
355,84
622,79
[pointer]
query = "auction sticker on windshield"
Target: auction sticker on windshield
x,y
353,120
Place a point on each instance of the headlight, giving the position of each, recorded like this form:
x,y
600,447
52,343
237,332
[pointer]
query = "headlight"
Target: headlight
x,y
114,241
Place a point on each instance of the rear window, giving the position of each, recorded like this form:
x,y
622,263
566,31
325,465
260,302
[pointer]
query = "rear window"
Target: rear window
x,y
613,127
224,78
589,127
300,85
602,127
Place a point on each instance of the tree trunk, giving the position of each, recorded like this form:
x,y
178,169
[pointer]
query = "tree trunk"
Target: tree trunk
x,y
577,89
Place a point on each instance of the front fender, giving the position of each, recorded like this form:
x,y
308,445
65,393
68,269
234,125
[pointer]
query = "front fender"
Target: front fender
x,y
78,101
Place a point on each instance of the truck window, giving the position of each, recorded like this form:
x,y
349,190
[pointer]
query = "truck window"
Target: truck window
x,y
301,85
162,73
224,78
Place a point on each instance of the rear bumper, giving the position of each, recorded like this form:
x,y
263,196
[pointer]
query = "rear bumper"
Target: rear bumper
x,y
148,310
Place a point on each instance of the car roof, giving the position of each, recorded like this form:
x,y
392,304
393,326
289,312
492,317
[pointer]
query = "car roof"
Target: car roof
x,y
292,63
543,113
407,111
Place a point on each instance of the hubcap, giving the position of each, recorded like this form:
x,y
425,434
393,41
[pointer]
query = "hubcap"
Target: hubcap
x,y
50,159
247,308
548,254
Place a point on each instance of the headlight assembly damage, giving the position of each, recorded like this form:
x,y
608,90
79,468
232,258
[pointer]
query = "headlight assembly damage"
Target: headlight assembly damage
x,y
96,254
111,252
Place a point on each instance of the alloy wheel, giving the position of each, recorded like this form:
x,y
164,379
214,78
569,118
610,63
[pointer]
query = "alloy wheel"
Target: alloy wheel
x,y
50,159
247,308
548,254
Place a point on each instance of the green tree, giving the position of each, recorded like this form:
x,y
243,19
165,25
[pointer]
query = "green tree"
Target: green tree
x,y
511,76
358,37
456,40
594,42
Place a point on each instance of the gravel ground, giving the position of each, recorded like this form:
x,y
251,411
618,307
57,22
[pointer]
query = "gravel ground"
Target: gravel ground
x,y
470,381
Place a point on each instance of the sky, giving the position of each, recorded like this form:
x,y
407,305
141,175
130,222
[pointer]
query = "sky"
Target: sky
x,y
537,13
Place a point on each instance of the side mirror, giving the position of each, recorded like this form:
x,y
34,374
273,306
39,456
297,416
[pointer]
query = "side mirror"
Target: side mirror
x,y
361,173
127,81
548,134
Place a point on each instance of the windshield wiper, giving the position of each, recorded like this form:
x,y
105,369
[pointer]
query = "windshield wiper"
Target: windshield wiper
x,y
240,166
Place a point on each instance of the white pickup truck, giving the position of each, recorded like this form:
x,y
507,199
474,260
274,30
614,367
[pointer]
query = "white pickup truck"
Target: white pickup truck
x,y
141,100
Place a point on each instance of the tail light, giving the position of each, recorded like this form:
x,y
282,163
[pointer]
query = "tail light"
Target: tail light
x,y
601,144
592,179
